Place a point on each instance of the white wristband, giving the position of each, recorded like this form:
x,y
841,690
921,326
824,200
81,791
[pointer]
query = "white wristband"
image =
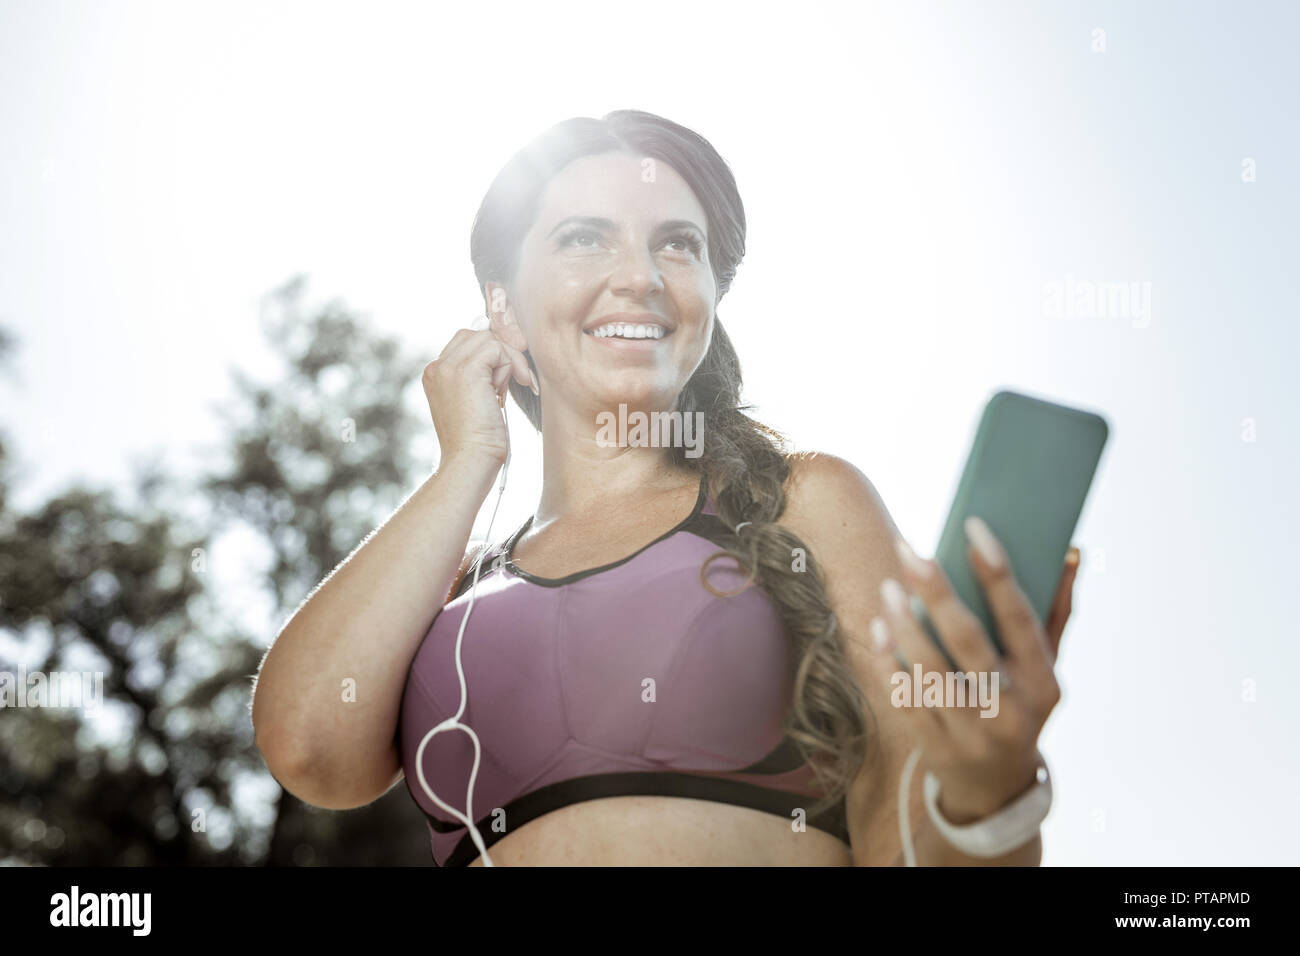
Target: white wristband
x,y
996,835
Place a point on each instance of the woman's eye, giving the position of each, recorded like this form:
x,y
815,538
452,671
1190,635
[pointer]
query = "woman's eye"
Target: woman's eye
x,y
577,234
688,239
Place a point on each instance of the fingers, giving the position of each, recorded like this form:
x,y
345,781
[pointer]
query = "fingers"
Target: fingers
x,y
514,361
1062,603
469,347
881,673
504,325
525,375
961,631
1023,637
501,377
911,642
456,344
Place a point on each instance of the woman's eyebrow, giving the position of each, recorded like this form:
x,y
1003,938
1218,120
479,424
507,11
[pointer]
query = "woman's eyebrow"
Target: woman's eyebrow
x,y
594,221
679,224
597,222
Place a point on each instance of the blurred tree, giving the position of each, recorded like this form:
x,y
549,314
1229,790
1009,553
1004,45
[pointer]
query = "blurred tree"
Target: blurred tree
x,y
168,775
93,586
318,460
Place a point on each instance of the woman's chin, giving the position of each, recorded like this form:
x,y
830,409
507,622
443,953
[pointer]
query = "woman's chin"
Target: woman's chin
x,y
640,400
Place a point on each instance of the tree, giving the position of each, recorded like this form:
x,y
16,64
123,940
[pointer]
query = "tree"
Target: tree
x,y
309,464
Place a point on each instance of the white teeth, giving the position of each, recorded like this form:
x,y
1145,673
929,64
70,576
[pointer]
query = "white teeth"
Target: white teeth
x,y
624,331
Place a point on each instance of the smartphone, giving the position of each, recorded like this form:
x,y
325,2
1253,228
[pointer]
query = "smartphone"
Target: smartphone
x,y
1028,474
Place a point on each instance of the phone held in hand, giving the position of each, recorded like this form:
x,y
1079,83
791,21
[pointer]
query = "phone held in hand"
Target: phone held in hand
x,y
1027,476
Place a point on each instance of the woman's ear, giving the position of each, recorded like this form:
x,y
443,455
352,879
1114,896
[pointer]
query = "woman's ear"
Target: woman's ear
x,y
501,316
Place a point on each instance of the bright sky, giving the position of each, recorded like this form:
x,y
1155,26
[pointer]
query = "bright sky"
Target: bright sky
x,y
916,177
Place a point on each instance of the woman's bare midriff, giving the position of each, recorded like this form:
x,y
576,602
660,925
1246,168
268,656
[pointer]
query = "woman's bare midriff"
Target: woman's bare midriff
x,y
664,831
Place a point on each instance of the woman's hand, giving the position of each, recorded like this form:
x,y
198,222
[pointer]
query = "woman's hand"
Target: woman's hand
x,y
466,387
981,762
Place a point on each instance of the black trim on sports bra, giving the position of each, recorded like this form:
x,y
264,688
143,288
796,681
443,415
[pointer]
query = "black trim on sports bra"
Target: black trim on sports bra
x,y
517,571
708,526
639,783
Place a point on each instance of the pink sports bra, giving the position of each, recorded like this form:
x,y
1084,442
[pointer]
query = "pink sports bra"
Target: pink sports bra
x,y
629,678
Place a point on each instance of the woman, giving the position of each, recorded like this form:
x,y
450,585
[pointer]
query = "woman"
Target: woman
x,y
634,700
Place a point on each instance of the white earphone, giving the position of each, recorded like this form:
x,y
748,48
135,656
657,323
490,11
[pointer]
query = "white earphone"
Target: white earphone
x,y
453,722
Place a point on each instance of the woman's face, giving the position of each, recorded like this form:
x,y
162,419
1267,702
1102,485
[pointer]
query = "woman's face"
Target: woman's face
x,y
614,233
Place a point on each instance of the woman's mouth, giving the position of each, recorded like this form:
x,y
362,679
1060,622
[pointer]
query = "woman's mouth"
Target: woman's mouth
x,y
634,335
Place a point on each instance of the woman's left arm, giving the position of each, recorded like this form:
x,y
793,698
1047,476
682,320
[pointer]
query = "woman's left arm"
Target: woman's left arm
x,y
981,763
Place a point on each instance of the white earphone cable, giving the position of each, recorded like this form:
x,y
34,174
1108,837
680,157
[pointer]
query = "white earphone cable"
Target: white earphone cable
x,y
453,722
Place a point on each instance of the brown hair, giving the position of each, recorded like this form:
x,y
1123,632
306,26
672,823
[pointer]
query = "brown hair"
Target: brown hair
x,y
746,461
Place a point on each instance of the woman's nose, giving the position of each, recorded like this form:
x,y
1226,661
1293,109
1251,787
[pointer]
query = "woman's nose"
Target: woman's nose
x,y
636,272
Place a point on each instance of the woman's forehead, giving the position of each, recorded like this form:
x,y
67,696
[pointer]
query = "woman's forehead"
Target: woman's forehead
x,y
622,187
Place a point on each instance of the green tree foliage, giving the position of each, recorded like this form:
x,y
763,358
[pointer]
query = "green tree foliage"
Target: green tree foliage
x,y
167,773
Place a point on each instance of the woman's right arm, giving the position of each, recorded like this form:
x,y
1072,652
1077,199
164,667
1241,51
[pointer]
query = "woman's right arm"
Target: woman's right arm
x,y
325,707
328,694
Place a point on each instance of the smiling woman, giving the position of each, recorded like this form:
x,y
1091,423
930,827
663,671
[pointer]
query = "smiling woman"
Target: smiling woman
x,y
663,664
603,250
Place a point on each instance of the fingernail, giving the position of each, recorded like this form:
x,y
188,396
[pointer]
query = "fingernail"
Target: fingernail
x,y
879,633
987,545
895,597
533,376
914,564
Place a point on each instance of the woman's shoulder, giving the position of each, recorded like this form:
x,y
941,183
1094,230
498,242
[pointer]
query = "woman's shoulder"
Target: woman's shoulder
x,y
831,503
